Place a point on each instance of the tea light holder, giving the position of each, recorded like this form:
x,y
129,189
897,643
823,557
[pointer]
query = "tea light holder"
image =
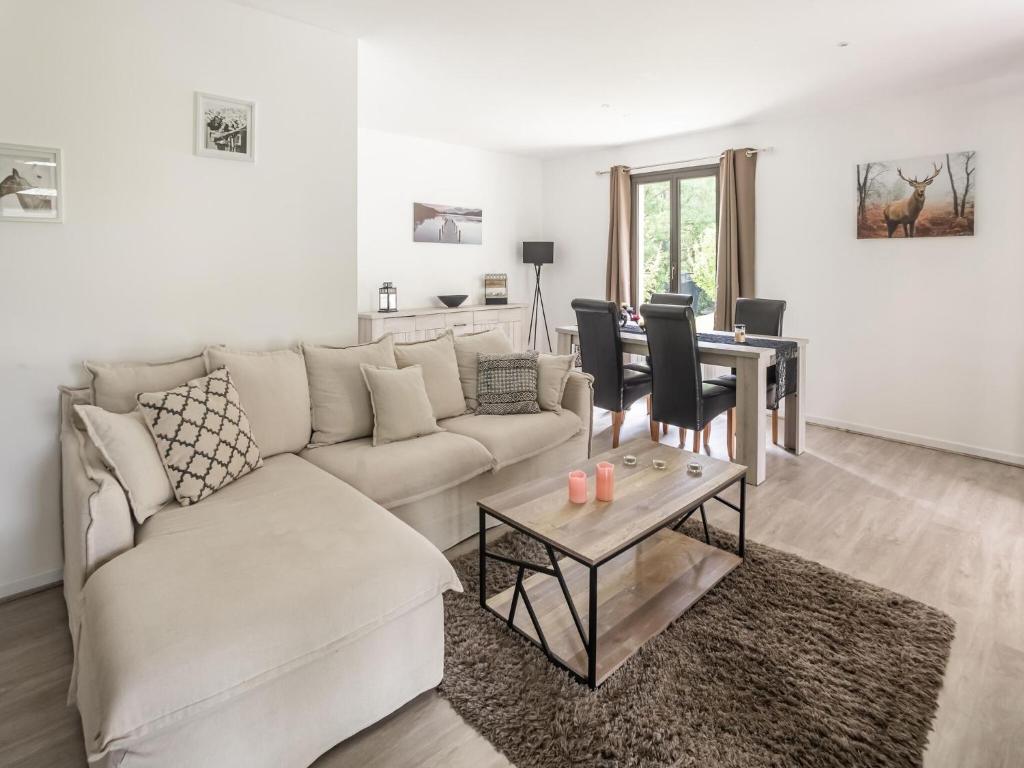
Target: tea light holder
x,y
695,468
659,463
605,481
740,332
578,486
629,460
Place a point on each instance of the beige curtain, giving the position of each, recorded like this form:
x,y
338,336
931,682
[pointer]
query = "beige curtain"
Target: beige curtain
x,y
735,233
617,280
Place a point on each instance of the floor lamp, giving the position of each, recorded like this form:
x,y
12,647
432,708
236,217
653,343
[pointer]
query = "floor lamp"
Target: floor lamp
x,y
538,254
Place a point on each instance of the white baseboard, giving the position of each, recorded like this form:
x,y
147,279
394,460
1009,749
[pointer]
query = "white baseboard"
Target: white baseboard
x,y
31,583
1003,457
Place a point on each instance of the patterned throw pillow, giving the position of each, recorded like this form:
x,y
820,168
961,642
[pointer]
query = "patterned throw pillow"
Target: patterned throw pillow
x,y
507,384
202,435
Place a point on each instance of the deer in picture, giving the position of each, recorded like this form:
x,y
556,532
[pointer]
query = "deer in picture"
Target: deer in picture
x,y
906,211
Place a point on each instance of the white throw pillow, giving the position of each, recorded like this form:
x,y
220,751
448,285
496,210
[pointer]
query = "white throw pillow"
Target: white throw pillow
x,y
274,392
337,391
128,449
202,434
401,408
116,385
440,372
492,342
552,374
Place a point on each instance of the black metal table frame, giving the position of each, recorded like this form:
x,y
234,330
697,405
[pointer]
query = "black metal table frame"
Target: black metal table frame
x,y
588,638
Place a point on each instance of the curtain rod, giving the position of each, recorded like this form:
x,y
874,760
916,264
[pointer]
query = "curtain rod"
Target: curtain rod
x,y
752,151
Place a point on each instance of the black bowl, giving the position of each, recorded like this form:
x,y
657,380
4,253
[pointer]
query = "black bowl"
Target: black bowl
x,y
453,300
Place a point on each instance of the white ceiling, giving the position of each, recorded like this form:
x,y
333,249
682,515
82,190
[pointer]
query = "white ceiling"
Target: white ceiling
x,y
534,76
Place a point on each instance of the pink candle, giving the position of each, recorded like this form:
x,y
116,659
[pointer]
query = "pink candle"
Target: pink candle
x,y
578,487
605,481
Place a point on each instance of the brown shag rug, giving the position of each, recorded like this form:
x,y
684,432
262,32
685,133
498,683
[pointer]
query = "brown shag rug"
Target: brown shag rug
x,y
784,663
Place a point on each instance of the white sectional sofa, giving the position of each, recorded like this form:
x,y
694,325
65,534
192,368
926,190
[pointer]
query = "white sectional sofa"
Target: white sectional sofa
x,y
293,607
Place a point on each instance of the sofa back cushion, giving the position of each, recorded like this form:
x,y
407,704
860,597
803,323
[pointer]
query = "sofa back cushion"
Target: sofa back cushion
x,y
274,392
401,408
116,385
467,347
128,449
440,372
202,434
337,392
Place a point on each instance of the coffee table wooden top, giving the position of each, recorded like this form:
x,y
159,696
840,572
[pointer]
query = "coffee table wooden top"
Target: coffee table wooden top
x,y
645,500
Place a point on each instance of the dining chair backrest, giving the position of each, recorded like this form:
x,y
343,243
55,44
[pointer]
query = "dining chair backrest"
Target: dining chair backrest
x,y
679,299
601,349
763,317
675,363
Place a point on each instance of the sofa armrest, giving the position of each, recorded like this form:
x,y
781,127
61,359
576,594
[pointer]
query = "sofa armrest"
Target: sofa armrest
x,y
96,519
578,397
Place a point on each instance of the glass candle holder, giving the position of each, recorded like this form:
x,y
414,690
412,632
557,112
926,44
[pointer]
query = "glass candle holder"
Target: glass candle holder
x,y
605,481
578,486
740,332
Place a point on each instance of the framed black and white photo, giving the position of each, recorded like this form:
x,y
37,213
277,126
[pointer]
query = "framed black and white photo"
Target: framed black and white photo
x,y
225,128
30,184
433,223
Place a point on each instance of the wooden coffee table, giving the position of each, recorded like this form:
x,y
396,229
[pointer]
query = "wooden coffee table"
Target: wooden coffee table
x,y
617,573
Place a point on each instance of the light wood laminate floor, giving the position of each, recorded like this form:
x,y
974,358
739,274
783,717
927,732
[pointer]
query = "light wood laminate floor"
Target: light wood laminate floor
x,y
943,529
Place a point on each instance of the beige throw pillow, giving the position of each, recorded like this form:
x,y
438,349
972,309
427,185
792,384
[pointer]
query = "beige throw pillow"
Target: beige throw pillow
x,y
202,434
552,374
493,342
401,408
337,392
127,448
274,392
440,372
116,385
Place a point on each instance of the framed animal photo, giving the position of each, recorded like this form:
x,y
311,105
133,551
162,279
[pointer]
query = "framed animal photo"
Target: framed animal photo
x,y
931,196
30,184
225,128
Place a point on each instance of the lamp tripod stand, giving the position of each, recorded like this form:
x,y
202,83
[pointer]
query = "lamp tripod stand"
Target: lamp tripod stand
x,y
536,313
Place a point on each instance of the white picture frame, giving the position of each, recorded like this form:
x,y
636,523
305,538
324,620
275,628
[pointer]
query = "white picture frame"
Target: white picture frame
x,y
31,184
234,139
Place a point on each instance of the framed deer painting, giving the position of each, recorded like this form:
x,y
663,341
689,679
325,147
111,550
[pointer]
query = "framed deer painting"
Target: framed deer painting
x,y
930,196
30,184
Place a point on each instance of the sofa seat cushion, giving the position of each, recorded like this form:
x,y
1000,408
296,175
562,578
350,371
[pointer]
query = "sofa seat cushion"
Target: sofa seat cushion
x,y
400,473
518,436
283,567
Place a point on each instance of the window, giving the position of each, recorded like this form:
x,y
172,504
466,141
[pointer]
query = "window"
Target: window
x,y
675,236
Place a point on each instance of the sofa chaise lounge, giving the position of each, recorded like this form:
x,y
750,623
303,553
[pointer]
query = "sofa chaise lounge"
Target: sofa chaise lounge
x,y
293,607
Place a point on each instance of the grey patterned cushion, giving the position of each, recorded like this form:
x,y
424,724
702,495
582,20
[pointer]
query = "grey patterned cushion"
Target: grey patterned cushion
x,y
202,435
507,384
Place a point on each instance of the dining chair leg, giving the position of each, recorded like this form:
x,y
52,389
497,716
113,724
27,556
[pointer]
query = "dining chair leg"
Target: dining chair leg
x,y
649,398
664,427
730,426
655,431
696,440
682,437
775,426
617,418
707,438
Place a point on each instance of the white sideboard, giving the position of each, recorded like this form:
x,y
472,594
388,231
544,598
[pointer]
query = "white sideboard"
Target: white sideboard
x,y
427,322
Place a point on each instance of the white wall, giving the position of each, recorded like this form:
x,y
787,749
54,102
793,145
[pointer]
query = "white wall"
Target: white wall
x,y
395,171
917,339
161,251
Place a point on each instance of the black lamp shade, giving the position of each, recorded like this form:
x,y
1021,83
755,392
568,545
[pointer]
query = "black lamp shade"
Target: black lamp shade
x,y
538,253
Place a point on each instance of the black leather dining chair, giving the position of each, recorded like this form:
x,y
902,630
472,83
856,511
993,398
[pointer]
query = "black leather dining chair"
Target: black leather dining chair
x,y
617,385
763,317
680,395
678,299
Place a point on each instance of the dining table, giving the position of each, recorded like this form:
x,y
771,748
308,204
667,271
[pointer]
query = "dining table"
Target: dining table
x,y
751,363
